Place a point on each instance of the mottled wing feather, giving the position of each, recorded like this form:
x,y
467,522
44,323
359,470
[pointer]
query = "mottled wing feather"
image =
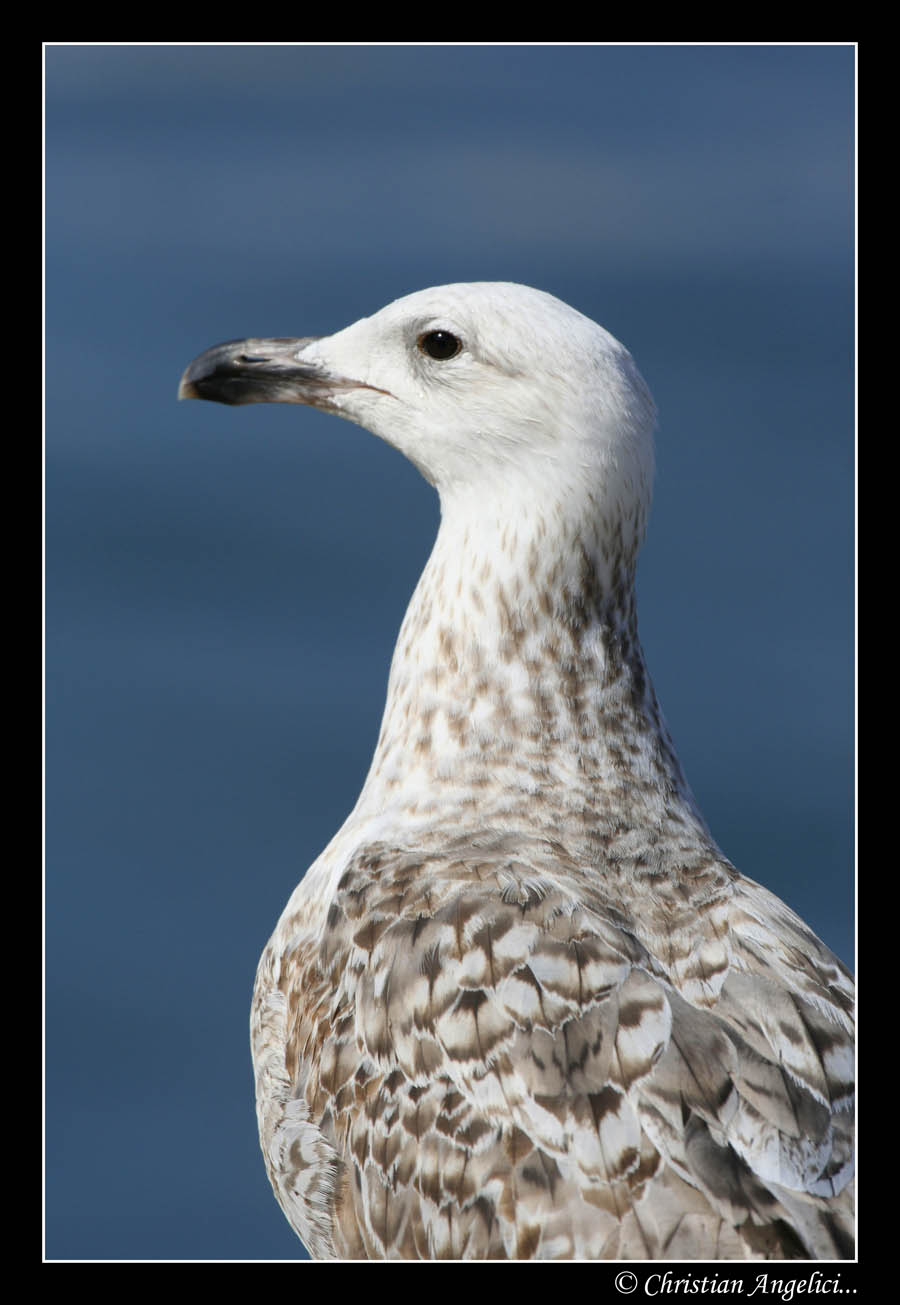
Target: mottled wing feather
x,y
484,1058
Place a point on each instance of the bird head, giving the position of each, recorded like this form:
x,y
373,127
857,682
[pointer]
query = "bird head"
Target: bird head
x,y
492,389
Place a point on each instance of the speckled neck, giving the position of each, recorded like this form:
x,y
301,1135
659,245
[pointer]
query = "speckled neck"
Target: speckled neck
x,y
518,675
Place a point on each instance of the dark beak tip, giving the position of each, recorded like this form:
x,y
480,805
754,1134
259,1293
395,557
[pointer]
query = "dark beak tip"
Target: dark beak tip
x,y
253,371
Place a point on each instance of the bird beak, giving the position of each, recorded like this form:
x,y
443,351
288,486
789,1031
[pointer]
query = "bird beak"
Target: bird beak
x,y
259,371
266,371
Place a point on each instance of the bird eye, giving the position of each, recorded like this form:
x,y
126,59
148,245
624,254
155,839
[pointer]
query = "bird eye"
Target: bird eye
x,y
440,344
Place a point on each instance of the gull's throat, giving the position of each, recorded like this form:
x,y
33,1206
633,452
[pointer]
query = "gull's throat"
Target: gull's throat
x,y
518,675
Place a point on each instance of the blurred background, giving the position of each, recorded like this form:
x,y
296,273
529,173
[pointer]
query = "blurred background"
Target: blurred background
x,y
224,585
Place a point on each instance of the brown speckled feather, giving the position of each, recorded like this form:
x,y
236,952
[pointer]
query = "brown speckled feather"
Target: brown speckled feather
x,y
495,1065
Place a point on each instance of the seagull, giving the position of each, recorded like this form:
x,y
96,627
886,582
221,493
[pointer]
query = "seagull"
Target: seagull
x,y
523,1006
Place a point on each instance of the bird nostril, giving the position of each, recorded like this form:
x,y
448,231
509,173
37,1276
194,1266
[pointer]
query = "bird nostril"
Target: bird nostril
x,y
250,358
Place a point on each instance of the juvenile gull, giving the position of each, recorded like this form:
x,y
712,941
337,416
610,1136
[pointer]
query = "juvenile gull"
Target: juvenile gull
x,y
522,1006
